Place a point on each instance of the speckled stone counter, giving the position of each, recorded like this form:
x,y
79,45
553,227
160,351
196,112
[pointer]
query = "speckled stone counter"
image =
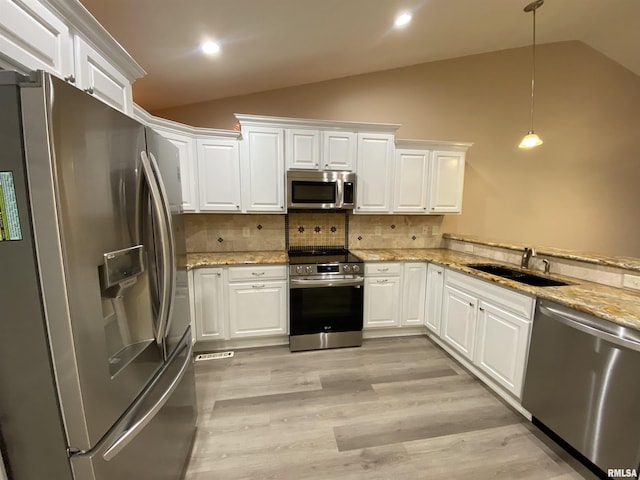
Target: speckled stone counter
x,y
627,263
614,304
195,260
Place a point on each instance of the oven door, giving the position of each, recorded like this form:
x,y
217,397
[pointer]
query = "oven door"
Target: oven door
x,y
325,306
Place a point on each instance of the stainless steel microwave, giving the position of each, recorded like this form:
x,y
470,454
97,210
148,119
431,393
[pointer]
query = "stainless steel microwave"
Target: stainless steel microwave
x,y
321,190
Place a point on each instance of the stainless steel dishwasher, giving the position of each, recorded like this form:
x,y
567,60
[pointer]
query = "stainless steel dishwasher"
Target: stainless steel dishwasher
x,y
583,383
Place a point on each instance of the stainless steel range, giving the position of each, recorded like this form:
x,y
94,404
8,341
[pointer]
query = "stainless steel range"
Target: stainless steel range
x,y
326,299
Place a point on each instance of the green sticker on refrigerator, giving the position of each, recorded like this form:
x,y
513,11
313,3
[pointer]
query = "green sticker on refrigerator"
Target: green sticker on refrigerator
x,y
9,218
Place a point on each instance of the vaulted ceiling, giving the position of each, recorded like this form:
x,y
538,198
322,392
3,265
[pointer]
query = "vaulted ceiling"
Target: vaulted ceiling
x,y
269,44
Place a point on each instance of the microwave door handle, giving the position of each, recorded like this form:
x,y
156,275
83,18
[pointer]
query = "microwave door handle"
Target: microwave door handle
x,y
339,194
156,200
170,265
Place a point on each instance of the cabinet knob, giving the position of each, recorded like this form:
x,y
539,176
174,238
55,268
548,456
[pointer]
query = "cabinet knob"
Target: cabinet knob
x,y
481,309
471,304
439,273
89,90
70,79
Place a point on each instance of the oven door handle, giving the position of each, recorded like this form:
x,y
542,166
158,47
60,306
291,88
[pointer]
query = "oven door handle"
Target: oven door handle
x,y
311,283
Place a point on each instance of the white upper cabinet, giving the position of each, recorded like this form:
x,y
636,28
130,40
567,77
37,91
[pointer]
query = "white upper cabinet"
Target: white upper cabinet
x,y
187,153
32,37
99,77
339,150
218,175
411,181
263,179
302,149
446,174
374,172
61,37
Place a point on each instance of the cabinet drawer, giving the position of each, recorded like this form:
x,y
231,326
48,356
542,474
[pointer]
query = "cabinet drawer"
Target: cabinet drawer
x,y
386,269
257,272
515,302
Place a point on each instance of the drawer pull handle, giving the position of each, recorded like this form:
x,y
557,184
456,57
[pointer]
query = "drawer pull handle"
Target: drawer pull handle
x,y
258,286
383,281
89,90
383,269
257,274
70,79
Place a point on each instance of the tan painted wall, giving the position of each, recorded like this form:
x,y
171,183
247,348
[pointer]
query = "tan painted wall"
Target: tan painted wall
x,y
580,190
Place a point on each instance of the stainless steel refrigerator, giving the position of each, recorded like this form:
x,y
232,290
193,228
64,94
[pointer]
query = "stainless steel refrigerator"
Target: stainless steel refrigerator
x,y
96,369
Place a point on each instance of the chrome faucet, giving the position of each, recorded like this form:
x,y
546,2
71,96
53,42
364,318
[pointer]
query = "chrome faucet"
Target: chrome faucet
x,y
547,265
526,256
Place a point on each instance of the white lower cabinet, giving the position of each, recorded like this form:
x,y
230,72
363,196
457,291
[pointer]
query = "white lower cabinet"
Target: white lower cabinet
x,y
382,295
209,304
414,280
502,345
258,309
490,326
433,300
240,302
459,320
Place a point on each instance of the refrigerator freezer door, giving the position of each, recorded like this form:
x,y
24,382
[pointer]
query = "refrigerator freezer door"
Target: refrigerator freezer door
x,y
166,159
82,159
29,415
153,440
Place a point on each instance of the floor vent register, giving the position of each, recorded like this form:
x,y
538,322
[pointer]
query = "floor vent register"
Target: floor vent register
x,y
213,356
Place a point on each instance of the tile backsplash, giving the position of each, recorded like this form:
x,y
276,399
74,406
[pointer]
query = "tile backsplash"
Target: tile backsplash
x,y
395,231
318,229
207,232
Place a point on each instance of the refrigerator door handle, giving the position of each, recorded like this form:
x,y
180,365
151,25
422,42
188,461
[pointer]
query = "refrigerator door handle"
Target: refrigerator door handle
x,y
164,240
138,424
170,267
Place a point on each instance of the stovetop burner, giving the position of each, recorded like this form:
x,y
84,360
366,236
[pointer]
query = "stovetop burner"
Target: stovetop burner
x,y
322,256
321,261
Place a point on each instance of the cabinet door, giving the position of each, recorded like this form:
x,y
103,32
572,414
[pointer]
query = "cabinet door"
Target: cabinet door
x,y
187,152
32,38
459,320
209,304
263,169
411,173
258,309
446,181
382,302
502,344
218,175
339,150
302,149
100,78
375,173
414,281
433,308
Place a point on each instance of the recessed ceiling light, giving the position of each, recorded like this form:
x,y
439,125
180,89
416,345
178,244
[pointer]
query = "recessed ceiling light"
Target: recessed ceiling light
x,y
210,48
403,19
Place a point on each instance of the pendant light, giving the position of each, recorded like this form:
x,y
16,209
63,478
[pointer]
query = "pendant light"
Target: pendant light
x,y
531,139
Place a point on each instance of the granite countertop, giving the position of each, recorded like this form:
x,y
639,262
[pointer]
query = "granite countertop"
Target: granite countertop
x,y
617,305
195,260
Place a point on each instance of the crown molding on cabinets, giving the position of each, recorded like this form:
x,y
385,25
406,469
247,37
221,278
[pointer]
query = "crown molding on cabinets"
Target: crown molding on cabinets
x,y
85,24
263,121
433,145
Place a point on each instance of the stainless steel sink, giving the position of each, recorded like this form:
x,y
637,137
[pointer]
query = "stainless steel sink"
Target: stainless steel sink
x,y
517,275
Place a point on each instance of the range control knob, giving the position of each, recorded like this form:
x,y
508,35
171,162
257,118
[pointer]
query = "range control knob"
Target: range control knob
x,y
355,268
346,268
299,269
308,269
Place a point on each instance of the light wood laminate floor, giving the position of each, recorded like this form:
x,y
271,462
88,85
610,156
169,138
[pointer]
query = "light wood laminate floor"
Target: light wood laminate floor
x,y
396,408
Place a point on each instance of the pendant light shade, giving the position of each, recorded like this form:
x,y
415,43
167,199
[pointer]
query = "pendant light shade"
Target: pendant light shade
x,y
531,139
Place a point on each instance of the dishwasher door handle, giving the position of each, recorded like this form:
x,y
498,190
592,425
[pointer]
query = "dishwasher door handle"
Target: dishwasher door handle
x,y
590,328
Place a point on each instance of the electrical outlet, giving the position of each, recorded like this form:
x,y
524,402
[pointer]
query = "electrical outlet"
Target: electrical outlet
x,y
435,230
246,232
378,230
631,281
468,248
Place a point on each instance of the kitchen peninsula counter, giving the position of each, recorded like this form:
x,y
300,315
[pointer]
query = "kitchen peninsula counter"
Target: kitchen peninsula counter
x,y
618,305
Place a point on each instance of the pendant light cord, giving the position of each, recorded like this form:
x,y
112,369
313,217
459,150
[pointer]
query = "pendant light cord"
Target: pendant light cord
x,y
533,66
